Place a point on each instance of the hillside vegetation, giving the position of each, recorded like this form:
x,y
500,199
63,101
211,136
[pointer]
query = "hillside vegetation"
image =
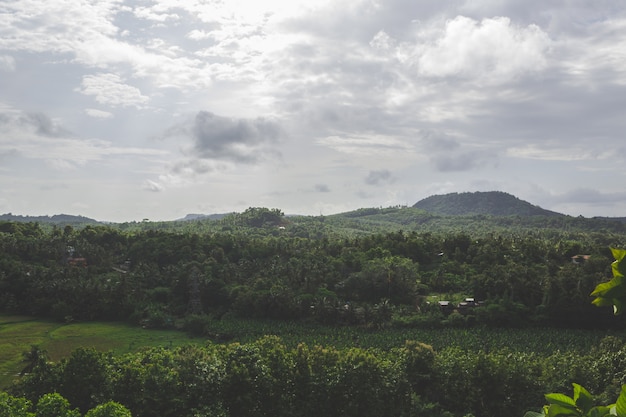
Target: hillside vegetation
x,y
494,203
388,272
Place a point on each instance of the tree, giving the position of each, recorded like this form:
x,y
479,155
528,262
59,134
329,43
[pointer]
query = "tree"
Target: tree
x,y
13,406
85,379
54,405
109,409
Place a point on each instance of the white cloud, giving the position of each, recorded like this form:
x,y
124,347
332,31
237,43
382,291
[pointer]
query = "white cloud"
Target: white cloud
x,y
365,145
492,50
153,186
99,114
109,89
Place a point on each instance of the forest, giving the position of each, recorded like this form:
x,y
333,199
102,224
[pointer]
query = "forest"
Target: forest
x,y
375,269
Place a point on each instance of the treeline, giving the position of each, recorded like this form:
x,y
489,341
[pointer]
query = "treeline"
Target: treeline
x,y
265,378
259,266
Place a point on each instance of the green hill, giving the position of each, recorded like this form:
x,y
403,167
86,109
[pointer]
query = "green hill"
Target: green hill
x,y
493,203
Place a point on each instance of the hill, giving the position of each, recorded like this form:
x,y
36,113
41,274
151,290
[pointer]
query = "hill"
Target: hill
x,y
57,219
493,203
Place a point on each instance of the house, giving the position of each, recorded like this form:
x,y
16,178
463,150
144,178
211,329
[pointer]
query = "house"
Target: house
x,y
77,261
580,259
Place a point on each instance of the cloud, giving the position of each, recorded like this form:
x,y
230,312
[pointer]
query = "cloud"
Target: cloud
x,y
99,114
152,186
435,141
365,144
37,136
589,196
492,50
7,63
379,177
109,89
322,188
464,161
246,141
41,123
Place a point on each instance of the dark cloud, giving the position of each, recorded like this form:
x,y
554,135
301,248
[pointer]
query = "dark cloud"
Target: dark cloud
x,y
38,123
43,125
437,141
466,161
322,188
590,196
191,167
379,177
237,140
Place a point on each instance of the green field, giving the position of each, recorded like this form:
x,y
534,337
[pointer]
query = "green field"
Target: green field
x,y
19,333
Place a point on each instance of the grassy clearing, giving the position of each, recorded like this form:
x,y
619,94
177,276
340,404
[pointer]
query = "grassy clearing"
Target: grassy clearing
x,y
18,334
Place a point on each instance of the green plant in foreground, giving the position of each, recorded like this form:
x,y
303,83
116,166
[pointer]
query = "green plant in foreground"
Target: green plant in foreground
x,y
611,293
580,405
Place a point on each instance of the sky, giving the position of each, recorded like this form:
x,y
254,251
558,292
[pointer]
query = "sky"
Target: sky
x,y
124,110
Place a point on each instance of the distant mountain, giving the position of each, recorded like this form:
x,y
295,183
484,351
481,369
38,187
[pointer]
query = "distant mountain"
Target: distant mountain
x,y
493,203
193,216
59,219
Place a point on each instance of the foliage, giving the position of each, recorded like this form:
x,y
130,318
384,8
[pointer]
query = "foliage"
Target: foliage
x,y
493,203
613,292
345,292
580,405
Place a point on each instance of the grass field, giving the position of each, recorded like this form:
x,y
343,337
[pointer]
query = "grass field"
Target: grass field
x,y
19,333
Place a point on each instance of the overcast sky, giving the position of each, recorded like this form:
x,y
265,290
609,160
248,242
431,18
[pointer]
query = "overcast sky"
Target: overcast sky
x,y
122,110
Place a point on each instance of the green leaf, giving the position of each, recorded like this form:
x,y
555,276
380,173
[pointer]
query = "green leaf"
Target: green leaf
x,y
561,399
620,404
603,288
600,411
582,398
619,267
534,414
618,254
558,410
602,302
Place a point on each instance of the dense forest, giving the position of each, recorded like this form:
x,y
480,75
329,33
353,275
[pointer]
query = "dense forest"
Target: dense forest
x,y
374,268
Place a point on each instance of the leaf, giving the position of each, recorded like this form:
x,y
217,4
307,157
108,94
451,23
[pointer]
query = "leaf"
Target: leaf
x,y
620,404
582,398
600,411
558,410
618,254
534,414
561,399
603,288
619,267
602,302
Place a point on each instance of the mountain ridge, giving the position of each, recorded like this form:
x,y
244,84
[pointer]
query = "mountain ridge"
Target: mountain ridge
x,y
493,203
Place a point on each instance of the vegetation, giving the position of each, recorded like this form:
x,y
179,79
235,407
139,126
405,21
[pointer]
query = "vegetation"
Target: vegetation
x,y
494,203
352,301
582,404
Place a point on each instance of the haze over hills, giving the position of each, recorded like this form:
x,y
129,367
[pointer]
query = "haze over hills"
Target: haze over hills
x,y
63,219
494,203
490,203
